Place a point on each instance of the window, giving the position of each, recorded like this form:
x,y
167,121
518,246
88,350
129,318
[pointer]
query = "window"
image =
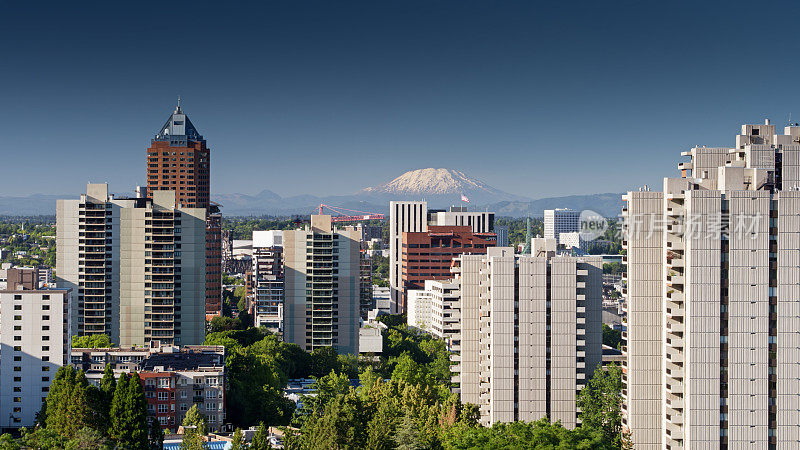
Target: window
x,y
211,394
17,399
211,406
163,382
211,381
45,338
17,338
162,408
164,421
163,395
17,388
45,307
45,327
45,369
184,407
17,307
45,317
183,394
17,327
45,348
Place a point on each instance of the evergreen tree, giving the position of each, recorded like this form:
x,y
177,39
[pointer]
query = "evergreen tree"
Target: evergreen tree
x,y
600,404
68,407
155,435
136,408
108,384
261,438
238,440
118,425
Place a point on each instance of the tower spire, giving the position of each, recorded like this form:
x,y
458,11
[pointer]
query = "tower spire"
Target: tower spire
x,y
178,109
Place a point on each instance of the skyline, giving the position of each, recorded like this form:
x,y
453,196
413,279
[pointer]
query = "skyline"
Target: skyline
x,y
393,87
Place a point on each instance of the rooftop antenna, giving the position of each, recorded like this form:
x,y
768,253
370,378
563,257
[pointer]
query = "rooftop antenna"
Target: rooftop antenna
x,y
790,119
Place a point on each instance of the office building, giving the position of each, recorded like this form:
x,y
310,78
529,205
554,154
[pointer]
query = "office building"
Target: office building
x,y
428,255
35,340
712,357
502,236
415,217
530,333
173,378
265,282
136,266
322,285
557,221
179,160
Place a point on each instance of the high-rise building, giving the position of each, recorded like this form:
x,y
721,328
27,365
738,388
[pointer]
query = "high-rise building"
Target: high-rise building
x,y
415,217
179,160
136,265
557,221
502,236
35,340
266,289
428,255
712,357
529,336
435,309
322,287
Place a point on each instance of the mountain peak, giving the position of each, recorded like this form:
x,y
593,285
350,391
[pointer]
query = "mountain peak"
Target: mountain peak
x,y
432,181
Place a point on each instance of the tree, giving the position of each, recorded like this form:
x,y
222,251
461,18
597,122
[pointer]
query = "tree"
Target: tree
x,y
221,323
91,341
611,337
600,403
7,442
194,429
117,416
237,443
155,435
89,438
323,361
137,412
68,406
261,438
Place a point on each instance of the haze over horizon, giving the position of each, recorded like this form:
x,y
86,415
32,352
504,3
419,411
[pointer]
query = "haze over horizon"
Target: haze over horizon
x,y
321,98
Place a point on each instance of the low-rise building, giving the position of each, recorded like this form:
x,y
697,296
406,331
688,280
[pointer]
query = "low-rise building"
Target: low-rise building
x,y
173,378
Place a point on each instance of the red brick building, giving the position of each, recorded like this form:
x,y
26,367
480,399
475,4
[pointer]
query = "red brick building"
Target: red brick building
x,y
427,255
179,160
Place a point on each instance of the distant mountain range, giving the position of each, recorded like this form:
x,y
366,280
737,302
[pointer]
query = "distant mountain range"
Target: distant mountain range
x,y
439,187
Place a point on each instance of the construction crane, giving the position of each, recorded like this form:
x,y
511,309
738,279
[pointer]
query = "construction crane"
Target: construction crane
x,y
347,216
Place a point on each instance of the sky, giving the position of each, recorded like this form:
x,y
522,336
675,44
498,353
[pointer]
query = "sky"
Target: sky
x,y
301,97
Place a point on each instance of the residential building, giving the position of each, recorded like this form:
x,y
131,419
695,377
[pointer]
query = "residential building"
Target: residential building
x,y
322,285
435,309
179,160
557,221
137,266
572,240
265,281
712,315
529,334
35,341
428,255
415,217
173,378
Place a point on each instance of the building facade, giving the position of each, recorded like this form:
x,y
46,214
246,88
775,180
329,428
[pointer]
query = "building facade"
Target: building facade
x,y
428,255
179,160
557,221
265,285
530,334
136,266
435,309
35,341
173,378
415,217
322,273
713,323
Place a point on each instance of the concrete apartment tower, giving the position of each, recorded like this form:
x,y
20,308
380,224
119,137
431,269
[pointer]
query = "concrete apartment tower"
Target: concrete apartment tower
x,y
136,266
265,280
179,160
414,217
530,333
322,286
712,357
34,336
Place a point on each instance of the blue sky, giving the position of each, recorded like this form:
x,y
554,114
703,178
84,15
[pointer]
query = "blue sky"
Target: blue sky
x,y
329,97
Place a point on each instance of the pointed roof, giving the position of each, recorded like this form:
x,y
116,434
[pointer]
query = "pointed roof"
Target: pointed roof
x,y
178,128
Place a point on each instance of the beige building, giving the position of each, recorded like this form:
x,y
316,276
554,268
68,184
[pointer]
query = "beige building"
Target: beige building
x,y
322,285
435,309
713,313
137,266
35,341
530,333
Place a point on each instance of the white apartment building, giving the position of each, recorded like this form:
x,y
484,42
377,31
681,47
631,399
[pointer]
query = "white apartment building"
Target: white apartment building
x,y
713,317
322,285
557,221
530,333
137,266
435,309
416,217
35,341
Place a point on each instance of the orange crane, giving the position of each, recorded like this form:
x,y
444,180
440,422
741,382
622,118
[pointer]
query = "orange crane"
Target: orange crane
x,y
347,217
